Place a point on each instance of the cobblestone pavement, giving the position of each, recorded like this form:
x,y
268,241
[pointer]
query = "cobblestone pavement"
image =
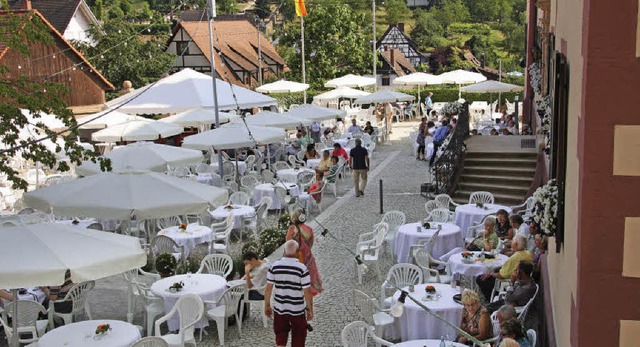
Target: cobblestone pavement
x,y
346,218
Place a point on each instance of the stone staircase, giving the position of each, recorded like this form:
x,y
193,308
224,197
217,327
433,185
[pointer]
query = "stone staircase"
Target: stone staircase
x,y
507,175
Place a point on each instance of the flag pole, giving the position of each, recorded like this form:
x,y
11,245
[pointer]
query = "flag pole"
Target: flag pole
x,y
304,71
375,51
212,14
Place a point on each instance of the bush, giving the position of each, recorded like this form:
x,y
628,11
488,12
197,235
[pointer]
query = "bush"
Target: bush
x,y
166,264
444,94
270,240
251,246
284,222
192,264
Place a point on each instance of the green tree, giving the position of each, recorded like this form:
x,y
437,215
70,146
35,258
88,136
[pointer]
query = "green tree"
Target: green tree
x,y
36,95
489,10
334,44
428,32
397,11
226,6
121,54
263,8
450,11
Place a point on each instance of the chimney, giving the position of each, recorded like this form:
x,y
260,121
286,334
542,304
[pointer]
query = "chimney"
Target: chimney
x,y
392,58
26,4
401,27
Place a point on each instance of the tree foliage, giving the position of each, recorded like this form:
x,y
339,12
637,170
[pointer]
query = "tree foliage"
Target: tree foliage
x,y
33,141
489,10
428,32
397,11
334,44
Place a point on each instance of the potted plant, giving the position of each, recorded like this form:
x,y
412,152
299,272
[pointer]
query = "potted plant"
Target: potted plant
x,y
166,265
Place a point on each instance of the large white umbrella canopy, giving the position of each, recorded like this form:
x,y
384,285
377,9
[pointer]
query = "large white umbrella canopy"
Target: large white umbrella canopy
x,y
282,86
276,120
491,87
197,118
189,89
315,113
350,80
234,135
418,79
340,92
461,77
39,254
144,156
106,119
139,130
143,195
384,95
49,120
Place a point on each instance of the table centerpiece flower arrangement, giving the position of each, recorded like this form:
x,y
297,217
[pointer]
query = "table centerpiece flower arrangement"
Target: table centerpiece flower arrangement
x,y
182,228
166,264
228,206
480,205
430,289
426,225
176,287
467,257
102,329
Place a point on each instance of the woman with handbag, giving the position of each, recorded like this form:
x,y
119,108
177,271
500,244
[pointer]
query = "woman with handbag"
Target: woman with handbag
x,y
303,234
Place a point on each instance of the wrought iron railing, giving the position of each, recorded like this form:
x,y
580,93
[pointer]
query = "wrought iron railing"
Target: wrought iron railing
x,y
447,166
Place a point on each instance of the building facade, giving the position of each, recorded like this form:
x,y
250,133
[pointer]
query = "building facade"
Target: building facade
x,y
395,38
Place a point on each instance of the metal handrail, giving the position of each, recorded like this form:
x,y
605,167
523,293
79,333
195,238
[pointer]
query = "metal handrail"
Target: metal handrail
x,y
446,168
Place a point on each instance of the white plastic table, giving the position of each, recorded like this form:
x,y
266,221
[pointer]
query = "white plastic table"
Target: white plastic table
x,y
240,212
189,239
291,175
83,334
477,267
206,286
267,189
468,214
428,343
407,235
416,323
313,163
241,166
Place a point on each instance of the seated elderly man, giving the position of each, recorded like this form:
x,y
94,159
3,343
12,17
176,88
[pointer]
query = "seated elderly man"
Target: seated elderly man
x,y
487,281
354,128
522,288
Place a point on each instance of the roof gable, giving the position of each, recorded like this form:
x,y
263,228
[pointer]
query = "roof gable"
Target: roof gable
x,y
400,64
57,12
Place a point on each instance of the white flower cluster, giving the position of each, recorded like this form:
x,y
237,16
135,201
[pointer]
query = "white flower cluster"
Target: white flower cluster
x,y
545,209
452,108
444,146
535,78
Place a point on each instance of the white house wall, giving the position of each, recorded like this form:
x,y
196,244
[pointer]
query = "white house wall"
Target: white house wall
x,y
78,29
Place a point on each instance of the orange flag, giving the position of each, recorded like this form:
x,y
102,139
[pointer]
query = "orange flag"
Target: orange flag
x,y
301,10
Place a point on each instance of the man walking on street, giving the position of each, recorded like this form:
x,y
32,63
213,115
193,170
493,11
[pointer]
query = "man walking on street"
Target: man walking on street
x,y
360,166
292,289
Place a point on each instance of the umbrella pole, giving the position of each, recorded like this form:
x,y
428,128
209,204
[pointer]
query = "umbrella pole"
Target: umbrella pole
x,y
237,180
419,101
269,157
14,322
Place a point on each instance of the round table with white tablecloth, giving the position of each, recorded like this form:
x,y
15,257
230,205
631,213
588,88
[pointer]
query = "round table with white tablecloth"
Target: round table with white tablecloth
x,y
208,287
267,189
468,214
476,267
407,235
343,142
242,166
240,212
416,323
291,175
83,334
428,343
313,163
190,238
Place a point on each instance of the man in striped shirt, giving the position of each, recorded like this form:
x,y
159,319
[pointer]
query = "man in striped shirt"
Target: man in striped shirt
x,y
292,289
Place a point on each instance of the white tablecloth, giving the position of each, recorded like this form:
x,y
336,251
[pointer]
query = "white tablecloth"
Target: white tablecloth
x,y
407,235
313,163
476,268
82,334
343,142
206,286
428,343
416,323
242,167
291,175
194,235
82,223
240,212
267,189
468,214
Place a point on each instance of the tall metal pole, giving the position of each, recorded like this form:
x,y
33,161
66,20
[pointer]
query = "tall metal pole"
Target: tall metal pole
x,y
304,71
375,51
499,80
212,55
259,51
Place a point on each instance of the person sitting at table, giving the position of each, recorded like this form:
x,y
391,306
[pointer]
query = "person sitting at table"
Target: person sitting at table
x,y
487,281
368,128
431,127
317,186
508,343
505,131
6,295
502,225
541,242
58,293
332,171
325,162
255,271
354,128
311,152
522,288
326,135
338,151
339,127
494,132
513,329
488,239
475,318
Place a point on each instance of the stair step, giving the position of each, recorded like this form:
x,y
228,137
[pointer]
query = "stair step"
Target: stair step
x,y
501,162
493,188
502,155
511,180
499,171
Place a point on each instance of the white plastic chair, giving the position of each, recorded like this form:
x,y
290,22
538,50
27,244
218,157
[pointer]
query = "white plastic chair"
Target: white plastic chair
x,y
357,334
249,181
281,165
401,275
255,224
240,198
305,179
28,323
153,306
439,215
246,300
78,296
221,242
523,310
431,205
216,264
445,201
481,197
368,248
372,314
161,244
190,309
151,341
532,336
224,308
394,219
333,185
204,169
424,260
525,209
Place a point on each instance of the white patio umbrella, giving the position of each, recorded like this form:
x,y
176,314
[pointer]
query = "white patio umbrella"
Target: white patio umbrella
x,y
417,79
350,80
122,196
49,120
198,118
189,89
40,254
234,135
106,119
460,77
144,156
384,95
282,86
140,130
491,87
315,113
340,92
275,120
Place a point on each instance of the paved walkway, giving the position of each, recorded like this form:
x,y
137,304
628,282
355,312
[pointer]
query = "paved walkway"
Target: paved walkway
x,y
346,218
